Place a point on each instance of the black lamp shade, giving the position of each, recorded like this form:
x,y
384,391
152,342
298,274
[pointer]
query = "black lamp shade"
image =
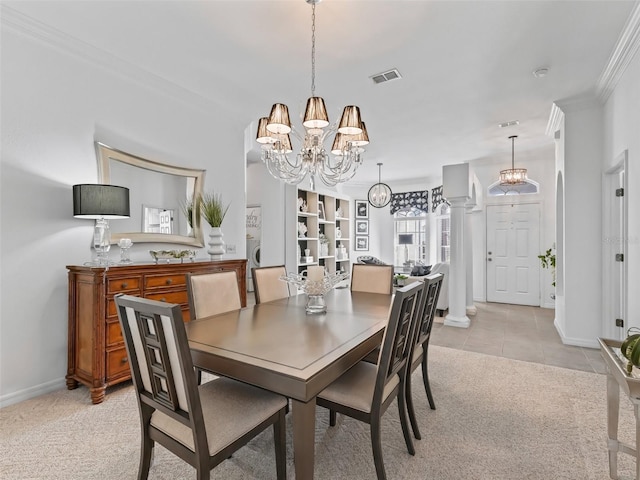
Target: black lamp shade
x,y
92,200
405,239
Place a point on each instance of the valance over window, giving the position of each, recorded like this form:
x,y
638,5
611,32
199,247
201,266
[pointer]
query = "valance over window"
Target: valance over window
x,y
436,197
401,201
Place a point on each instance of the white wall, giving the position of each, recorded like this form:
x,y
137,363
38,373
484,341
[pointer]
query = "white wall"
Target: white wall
x,y
622,132
54,106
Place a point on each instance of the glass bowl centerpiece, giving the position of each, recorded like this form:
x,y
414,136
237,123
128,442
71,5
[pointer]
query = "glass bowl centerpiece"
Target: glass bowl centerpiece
x,y
315,284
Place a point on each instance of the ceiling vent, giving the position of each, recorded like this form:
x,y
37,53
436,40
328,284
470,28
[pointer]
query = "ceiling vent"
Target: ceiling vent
x,y
386,76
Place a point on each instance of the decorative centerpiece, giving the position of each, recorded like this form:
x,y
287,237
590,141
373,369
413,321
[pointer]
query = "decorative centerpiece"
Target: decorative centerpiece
x,y
315,284
169,255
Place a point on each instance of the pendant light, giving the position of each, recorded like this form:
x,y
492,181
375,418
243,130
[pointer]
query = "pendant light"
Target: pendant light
x,y
513,176
379,194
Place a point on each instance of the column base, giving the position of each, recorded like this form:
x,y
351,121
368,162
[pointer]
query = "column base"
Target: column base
x,y
472,310
454,321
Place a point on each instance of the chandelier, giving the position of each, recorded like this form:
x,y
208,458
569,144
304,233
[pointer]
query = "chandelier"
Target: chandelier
x,y
312,159
513,176
379,194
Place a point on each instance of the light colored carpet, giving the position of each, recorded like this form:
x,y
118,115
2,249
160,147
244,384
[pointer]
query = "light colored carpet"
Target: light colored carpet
x,y
496,419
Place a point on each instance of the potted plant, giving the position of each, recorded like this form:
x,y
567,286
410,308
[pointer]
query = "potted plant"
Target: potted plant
x,y
190,209
213,210
400,279
548,260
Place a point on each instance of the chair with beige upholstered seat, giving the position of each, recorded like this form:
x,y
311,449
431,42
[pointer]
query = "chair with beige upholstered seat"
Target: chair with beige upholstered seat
x,y
372,278
366,390
267,284
202,425
212,294
420,349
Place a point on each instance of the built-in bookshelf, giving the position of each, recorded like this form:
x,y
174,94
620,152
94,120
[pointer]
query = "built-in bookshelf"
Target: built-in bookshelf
x,y
322,229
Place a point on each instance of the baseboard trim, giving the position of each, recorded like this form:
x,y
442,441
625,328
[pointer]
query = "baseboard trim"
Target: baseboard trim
x,y
576,342
31,392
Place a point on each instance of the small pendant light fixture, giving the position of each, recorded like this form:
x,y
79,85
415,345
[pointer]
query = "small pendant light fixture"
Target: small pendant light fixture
x,y
513,176
379,194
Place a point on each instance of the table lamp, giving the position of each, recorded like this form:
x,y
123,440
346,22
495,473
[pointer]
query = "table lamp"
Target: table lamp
x,y
405,239
102,203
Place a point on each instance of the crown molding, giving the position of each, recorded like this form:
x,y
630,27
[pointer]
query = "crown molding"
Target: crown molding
x,y
54,38
555,119
626,47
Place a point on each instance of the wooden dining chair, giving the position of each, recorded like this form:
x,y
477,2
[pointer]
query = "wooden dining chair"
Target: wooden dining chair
x,y
419,354
201,425
366,390
212,294
372,278
267,284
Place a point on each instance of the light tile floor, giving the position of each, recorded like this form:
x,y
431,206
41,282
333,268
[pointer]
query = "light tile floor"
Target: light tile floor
x,y
518,332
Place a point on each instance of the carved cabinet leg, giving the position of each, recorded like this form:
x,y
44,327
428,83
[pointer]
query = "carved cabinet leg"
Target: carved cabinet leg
x,y
97,394
72,383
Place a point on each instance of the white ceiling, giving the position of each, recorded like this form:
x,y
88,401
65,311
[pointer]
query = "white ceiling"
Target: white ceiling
x,y
466,65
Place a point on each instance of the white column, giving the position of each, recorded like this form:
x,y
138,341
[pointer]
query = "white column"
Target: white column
x,y
468,254
455,188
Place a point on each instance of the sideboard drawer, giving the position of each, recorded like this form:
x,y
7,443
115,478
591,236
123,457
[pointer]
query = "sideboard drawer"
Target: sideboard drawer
x,y
117,363
164,281
114,333
179,297
116,285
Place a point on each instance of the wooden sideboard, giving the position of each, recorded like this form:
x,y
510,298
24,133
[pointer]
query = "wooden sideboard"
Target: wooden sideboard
x,y
97,356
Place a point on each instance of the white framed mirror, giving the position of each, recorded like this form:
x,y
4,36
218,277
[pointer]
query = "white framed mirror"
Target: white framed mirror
x,y
158,194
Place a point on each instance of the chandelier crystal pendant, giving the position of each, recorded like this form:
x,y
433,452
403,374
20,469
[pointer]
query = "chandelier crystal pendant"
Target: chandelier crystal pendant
x,y
513,176
312,159
379,194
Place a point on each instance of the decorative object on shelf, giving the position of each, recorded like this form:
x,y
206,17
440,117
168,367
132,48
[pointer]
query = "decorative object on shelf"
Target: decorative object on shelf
x,y
169,255
548,260
302,230
125,244
362,243
316,285
302,205
362,209
321,214
338,233
324,245
339,212
379,194
312,159
406,200
102,203
342,253
213,211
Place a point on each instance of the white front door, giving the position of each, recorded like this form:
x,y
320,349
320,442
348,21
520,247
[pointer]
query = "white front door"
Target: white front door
x,y
513,267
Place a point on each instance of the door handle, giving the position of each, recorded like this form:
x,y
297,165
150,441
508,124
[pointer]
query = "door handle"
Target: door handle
x,y
488,253
488,259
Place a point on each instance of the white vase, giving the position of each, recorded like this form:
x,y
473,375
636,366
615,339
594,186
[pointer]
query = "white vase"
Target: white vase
x,y
216,244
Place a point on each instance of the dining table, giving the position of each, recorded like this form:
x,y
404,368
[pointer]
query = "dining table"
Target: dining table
x,y
279,347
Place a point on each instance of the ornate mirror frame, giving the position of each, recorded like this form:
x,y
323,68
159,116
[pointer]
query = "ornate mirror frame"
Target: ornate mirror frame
x,y
106,154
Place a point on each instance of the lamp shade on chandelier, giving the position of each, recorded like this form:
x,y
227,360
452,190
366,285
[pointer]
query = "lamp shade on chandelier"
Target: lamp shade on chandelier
x,y
311,159
513,176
